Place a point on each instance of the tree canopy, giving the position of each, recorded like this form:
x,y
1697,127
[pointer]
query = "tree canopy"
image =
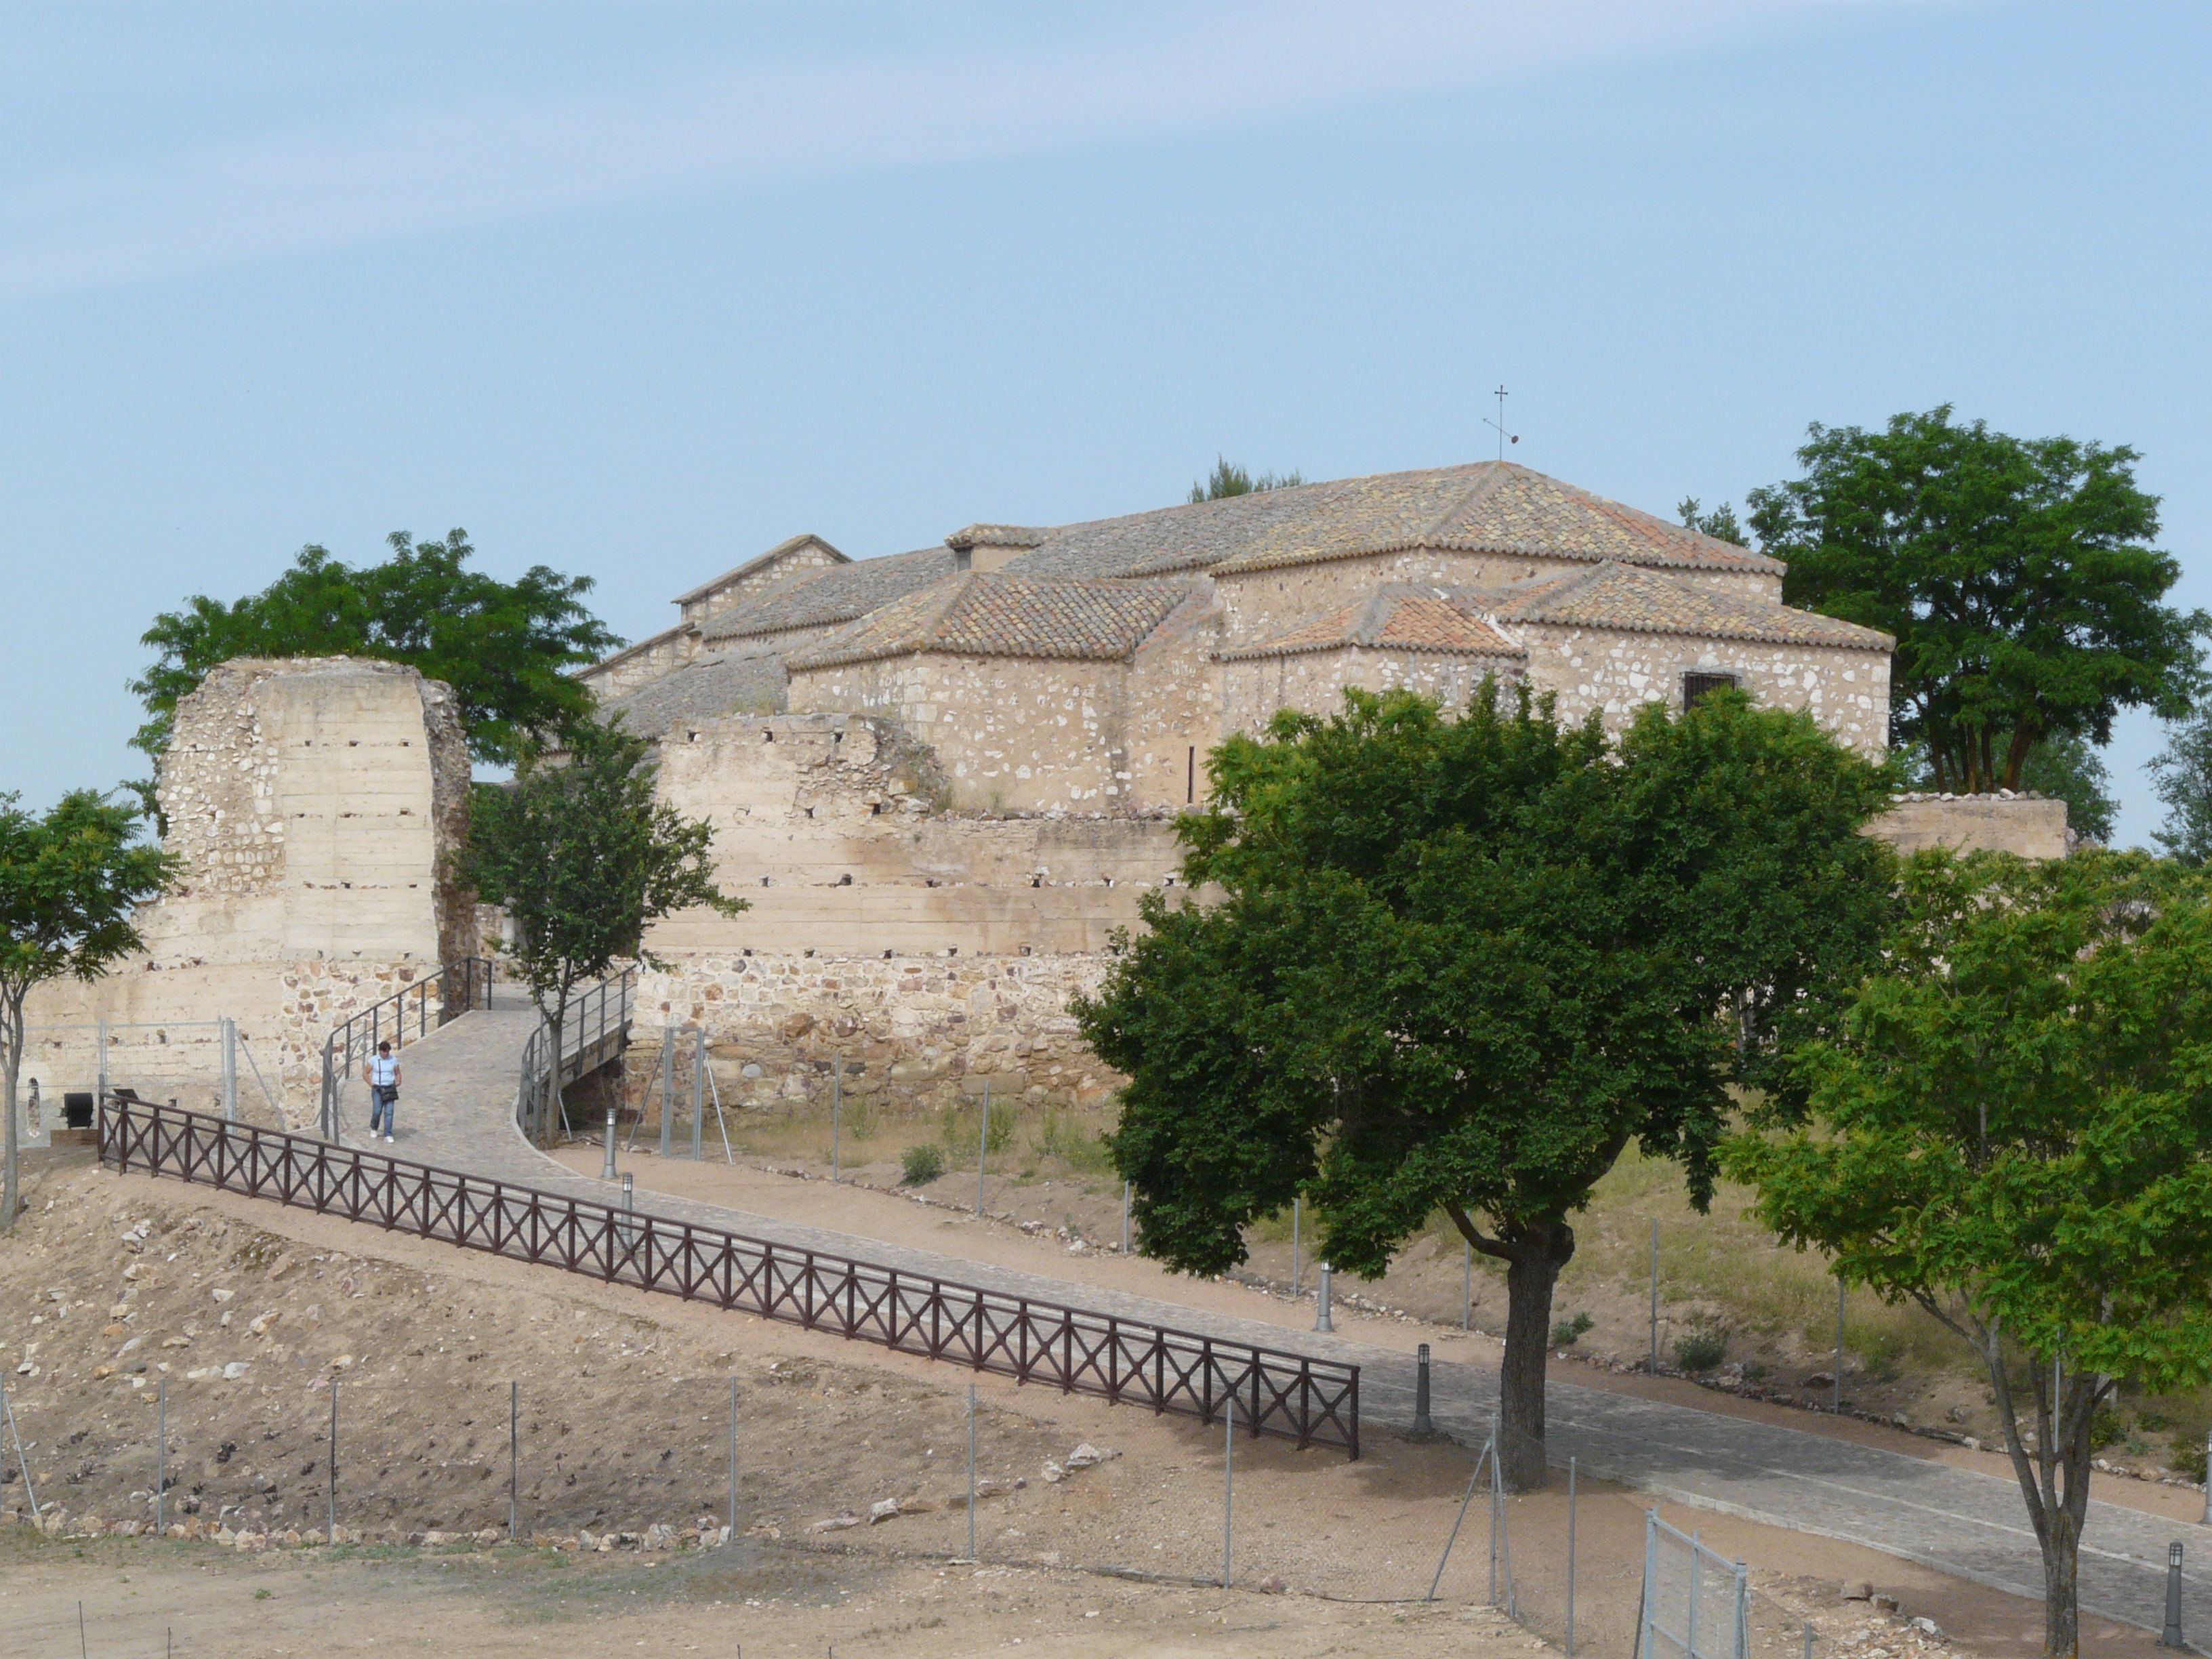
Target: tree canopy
x,y
2011,1126
1460,964
69,880
502,645
1721,523
2181,773
583,858
2017,576
1229,479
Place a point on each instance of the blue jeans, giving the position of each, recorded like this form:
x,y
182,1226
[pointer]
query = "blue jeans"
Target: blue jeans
x,y
383,1110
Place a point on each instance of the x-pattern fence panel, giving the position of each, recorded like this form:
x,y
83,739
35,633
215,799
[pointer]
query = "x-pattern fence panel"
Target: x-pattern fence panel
x,y
1132,1362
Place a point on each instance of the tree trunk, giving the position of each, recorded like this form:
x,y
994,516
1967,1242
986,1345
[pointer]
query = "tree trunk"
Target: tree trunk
x,y
11,1018
2062,1604
1532,1271
549,1104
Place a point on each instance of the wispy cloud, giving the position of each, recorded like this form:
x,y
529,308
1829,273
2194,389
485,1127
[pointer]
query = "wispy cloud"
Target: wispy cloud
x,y
1115,75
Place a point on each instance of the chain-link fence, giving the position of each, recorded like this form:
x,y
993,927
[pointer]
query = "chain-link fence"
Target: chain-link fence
x,y
207,1065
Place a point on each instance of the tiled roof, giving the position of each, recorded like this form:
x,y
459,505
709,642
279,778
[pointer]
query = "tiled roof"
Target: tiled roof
x,y
791,545
1487,507
1619,596
1002,614
1394,617
836,595
748,681
998,535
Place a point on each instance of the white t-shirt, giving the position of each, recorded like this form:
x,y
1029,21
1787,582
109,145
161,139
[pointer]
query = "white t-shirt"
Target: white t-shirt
x,y
383,1071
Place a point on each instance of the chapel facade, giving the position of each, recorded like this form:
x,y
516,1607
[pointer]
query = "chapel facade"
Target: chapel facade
x,y
1089,668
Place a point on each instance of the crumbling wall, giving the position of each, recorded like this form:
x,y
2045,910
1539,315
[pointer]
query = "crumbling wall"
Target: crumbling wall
x,y
2030,826
315,805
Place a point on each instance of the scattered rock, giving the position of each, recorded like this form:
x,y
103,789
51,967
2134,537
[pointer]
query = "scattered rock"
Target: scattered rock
x,y
886,1511
1928,1627
223,1293
1087,1455
1885,1604
1857,1590
1053,1474
836,1522
1272,1585
1820,1380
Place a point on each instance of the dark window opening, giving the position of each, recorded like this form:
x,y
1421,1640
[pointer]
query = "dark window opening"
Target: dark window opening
x,y
1696,688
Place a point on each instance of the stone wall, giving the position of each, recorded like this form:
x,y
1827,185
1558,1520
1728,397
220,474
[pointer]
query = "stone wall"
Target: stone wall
x,y
313,805
1617,673
914,1034
2030,826
1314,681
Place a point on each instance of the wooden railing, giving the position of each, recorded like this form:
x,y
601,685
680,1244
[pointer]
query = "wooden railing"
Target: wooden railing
x,y
1125,1361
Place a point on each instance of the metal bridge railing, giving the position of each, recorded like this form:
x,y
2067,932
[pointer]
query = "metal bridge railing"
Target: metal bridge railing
x,y
1125,1361
460,986
594,1026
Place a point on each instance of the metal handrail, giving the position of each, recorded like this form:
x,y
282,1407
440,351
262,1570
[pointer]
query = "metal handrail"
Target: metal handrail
x,y
587,1019
1290,1396
387,1020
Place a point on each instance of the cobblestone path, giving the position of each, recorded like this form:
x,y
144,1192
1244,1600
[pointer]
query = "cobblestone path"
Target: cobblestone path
x,y
457,1110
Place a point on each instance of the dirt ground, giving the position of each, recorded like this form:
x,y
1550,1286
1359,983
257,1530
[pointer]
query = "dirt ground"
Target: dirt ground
x,y
625,1426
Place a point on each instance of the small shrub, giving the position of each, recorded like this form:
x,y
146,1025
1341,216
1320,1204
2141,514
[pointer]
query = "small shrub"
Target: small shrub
x,y
2155,1422
1755,1372
2187,1458
923,1163
1701,1350
1060,1136
2106,1428
961,1125
1568,1331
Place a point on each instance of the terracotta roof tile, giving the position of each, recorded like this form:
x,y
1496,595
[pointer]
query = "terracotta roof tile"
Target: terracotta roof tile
x,y
1002,614
727,683
1619,596
835,595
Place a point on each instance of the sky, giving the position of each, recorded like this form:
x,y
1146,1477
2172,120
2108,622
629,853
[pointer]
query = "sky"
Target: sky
x,y
636,290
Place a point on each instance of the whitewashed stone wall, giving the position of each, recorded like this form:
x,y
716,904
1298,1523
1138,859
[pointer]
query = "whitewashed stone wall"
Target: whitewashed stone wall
x,y
1617,673
1314,681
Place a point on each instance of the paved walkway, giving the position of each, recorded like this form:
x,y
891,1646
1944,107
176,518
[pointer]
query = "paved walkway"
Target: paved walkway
x,y
457,1111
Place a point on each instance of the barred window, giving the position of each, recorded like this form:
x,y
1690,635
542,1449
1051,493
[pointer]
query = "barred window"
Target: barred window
x,y
1697,687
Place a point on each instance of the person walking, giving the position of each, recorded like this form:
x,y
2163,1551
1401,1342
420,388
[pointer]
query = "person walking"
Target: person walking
x,y
383,1077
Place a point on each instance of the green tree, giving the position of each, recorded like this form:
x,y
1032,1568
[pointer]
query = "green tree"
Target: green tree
x,y
2011,1127
1459,965
69,883
2015,573
2182,775
2070,769
1228,479
502,645
1721,523
584,859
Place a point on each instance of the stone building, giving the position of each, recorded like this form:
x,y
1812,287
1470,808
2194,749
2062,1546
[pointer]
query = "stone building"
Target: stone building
x,y
1090,667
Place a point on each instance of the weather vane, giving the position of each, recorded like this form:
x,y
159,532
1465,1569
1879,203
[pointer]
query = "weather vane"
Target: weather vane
x,y
1498,426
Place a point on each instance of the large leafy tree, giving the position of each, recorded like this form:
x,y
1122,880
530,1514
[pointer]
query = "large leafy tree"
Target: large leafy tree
x,y
503,646
2011,1127
69,880
1461,964
2017,576
2182,775
584,859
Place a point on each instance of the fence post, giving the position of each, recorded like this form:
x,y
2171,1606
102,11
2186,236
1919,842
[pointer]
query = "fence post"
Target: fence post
x,y
607,1167
1297,1222
22,1462
1650,1568
1571,1558
1839,1358
1655,1295
331,1537
1422,1427
972,1556
102,1085
513,1456
1228,1478
667,1088
1742,1610
733,1461
1125,1226
699,1095
1466,1285
1321,1321
982,1148
229,1070
837,1122
2208,1478
161,1450
1697,1583
1494,1512
1444,1560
